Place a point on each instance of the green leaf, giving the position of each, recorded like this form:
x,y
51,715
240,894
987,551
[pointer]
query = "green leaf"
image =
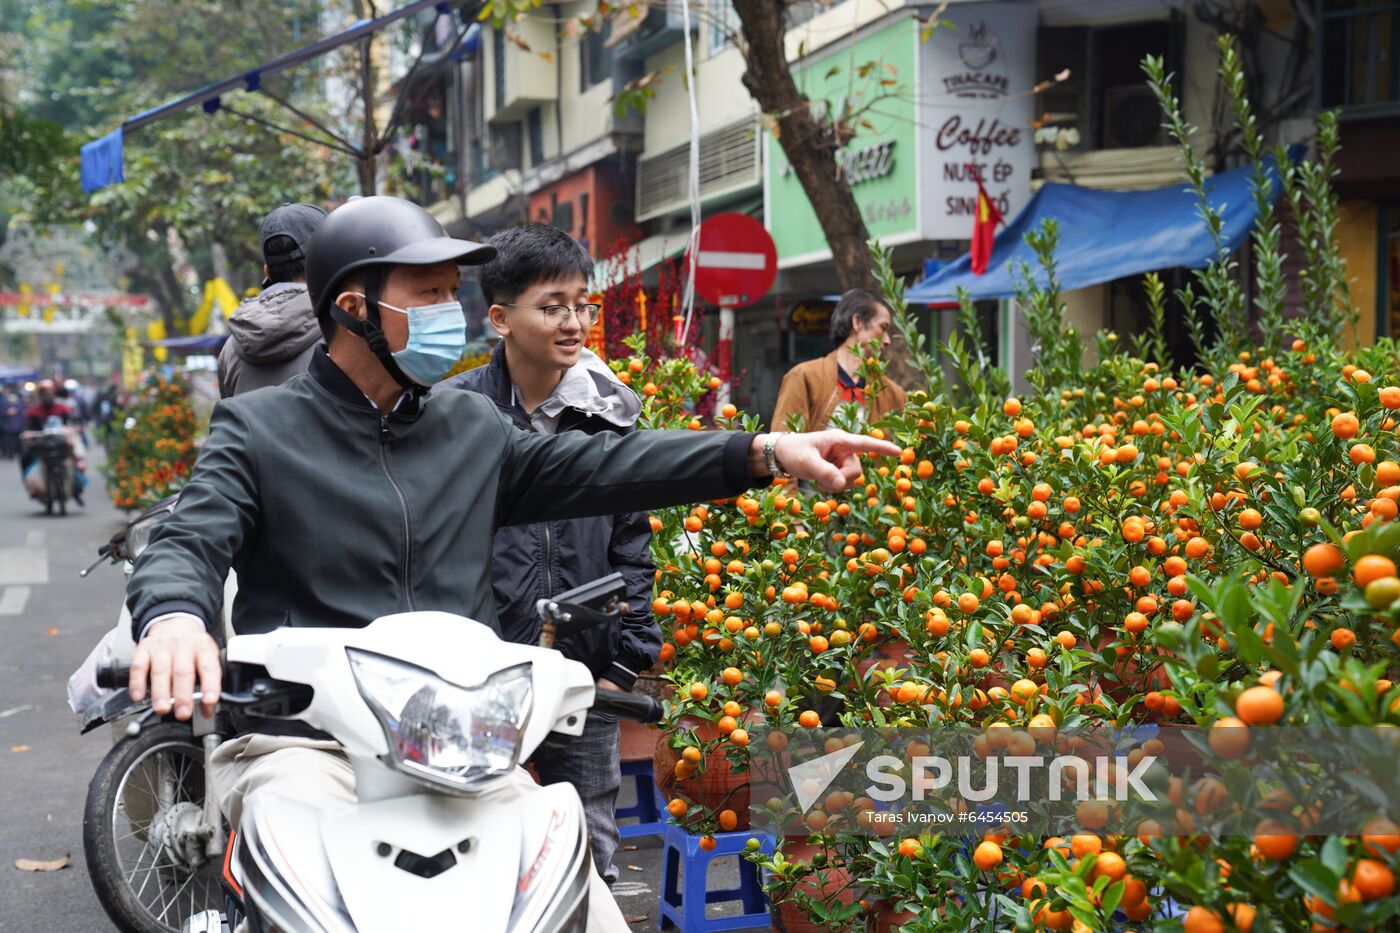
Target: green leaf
x,y
1316,879
1334,856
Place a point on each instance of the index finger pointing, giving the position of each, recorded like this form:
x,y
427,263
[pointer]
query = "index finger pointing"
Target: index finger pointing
x,y
870,445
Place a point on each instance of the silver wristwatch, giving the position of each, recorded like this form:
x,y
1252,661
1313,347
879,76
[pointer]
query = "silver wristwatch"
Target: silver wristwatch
x,y
770,455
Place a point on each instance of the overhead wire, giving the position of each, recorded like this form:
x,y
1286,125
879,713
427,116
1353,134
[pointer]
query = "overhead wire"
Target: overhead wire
x,y
693,181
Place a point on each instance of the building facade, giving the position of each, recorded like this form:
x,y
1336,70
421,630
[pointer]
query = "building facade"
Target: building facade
x,y
590,129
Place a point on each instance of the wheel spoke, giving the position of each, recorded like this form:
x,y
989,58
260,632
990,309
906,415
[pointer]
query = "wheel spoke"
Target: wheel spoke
x,y
174,897
155,781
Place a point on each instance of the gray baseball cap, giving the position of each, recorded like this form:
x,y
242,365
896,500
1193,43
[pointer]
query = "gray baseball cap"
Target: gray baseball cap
x,y
298,221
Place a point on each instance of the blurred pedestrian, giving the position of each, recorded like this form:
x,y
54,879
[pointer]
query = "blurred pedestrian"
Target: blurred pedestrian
x,y
69,394
11,422
273,334
106,411
814,389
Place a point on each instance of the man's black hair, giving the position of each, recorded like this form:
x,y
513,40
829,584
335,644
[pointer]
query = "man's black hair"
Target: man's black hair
x,y
528,255
293,270
856,304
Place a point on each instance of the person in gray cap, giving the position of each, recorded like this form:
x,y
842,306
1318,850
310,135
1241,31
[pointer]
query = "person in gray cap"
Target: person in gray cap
x,y
272,335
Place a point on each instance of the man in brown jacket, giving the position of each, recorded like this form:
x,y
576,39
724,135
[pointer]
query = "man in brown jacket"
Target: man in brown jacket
x,y
814,389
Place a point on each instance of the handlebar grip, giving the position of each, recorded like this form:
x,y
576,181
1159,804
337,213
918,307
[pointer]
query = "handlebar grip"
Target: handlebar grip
x,y
636,706
113,674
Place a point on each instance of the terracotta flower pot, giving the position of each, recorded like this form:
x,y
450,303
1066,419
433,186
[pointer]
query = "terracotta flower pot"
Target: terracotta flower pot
x,y
637,740
898,650
885,919
717,786
830,883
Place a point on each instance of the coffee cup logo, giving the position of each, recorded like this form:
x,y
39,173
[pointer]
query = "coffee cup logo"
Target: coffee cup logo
x,y
979,49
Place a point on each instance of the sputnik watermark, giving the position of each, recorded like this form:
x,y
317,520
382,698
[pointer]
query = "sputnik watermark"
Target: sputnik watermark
x,y
1145,780
811,779
935,773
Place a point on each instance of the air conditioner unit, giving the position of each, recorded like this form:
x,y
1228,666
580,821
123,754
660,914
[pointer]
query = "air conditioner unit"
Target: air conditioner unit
x,y
1131,118
729,163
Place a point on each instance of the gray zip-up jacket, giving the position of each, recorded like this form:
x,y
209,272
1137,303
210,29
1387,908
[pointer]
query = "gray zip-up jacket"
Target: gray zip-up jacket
x,y
334,514
271,338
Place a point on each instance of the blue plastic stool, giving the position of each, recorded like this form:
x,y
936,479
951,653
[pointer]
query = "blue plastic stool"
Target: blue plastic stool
x,y
685,906
647,810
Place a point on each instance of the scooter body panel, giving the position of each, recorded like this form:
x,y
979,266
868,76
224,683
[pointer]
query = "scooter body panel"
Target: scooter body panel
x,y
513,860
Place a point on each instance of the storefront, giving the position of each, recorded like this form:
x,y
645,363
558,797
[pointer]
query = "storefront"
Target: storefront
x,y
929,116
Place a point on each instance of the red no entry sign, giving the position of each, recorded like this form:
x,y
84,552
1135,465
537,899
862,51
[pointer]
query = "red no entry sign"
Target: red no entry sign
x,y
737,261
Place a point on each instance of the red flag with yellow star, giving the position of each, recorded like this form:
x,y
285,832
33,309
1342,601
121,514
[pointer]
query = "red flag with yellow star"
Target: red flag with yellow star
x,y
986,218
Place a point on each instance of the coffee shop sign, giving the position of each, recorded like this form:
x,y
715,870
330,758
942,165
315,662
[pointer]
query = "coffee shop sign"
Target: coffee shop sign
x,y
864,163
976,73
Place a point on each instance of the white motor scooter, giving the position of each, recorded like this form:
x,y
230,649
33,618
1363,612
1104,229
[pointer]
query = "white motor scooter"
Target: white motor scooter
x,y
435,714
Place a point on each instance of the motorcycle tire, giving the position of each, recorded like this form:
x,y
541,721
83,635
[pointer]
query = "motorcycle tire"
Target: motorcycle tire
x,y
163,760
58,487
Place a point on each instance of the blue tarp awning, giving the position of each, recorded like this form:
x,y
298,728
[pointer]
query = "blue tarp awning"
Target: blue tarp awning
x,y
1105,235
101,159
10,374
199,343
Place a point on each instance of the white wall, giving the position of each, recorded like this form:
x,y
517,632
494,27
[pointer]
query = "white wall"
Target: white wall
x,y
721,97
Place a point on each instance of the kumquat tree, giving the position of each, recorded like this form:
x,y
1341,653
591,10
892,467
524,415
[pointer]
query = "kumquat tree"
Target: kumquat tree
x,y
1129,545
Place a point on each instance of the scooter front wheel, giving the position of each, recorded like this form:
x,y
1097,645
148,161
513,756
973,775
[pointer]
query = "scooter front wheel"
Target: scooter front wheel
x,y
140,832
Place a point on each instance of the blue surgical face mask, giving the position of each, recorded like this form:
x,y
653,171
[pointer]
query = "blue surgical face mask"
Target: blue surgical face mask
x,y
437,338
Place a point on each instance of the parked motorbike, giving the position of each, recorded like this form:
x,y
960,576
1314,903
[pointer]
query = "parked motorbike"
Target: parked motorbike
x,y
436,714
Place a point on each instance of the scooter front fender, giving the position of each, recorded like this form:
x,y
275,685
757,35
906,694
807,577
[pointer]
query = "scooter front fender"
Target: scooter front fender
x,y
514,860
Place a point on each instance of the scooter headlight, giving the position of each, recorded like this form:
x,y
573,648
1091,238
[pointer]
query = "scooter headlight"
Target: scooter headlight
x,y
451,736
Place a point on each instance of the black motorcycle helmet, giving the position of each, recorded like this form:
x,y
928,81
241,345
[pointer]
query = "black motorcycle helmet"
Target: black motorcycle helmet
x,y
366,236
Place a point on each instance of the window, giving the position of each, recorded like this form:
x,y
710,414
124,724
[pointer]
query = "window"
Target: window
x,y
799,11
595,60
724,23
1105,103
536,132
1357,49
505,146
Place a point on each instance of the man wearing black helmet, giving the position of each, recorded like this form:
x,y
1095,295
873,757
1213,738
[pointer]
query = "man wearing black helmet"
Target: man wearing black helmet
x,y
348,493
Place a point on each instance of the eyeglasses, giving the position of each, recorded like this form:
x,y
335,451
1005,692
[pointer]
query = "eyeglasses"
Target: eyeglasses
x,y
555,315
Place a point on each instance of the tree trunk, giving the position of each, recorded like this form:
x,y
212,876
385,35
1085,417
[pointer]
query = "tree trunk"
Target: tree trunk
x,y
222,269
364,9
368,139
810,147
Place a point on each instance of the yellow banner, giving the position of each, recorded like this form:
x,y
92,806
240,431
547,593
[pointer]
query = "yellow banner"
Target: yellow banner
x,y
216,292
132,359
155,330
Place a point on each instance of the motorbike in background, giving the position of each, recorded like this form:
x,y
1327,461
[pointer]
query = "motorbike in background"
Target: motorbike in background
x,y
57,460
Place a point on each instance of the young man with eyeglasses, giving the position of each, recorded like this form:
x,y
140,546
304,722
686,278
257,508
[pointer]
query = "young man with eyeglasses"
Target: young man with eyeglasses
x,y
543,378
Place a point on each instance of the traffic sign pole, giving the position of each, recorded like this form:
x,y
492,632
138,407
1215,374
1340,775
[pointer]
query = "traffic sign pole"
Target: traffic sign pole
x,y
724,353
735,266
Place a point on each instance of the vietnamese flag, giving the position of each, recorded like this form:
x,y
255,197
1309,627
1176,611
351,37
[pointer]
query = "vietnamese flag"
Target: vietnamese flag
x,y
984,227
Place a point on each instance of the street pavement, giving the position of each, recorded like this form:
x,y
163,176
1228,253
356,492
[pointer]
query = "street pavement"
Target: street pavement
x,y
50,618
